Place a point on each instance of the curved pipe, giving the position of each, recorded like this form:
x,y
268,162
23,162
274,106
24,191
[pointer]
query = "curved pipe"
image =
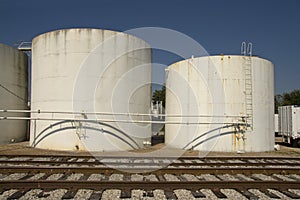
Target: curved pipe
x,y
212,137
71,127
91,121
203,134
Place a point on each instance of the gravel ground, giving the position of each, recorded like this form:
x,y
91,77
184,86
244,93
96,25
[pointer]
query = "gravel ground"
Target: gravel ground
x,y
151,177
227,177
295,191
264,177
285,178
184,194
136,195
24,148
181,194
36,176
96,177
171,177
116,177
17,158
55,194
295,176
31,194
7,193
111,194
234,161
188,161
54,177
177,161
208,177
233,194
190,177
214,161
159,195
83,194
209,194
141,195
246,178
14,176
3,158
42,159
137,177
259,194
74,177
282,196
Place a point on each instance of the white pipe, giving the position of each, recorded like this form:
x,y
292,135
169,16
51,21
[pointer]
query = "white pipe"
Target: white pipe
x,y
124,114
121,121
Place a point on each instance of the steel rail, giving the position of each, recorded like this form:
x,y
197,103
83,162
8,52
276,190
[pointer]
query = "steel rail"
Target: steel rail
x,y
149,170
156,157
155,164
147,185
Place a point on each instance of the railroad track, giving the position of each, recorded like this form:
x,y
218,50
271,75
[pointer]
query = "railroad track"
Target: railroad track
x,y
149,161
71,177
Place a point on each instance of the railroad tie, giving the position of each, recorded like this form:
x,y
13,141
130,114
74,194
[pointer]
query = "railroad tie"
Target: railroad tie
x,y
255,178
170,195
182,178
161,178
27,177
127,177
96,195
270,194
219,194
198,194
84,177
125,194
247,194
64,176
289,194
18,194
43,195
148,194
276,178
45,176
70,194
294,178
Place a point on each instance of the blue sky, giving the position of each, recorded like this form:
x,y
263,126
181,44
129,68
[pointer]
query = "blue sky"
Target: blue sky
x,y
219,26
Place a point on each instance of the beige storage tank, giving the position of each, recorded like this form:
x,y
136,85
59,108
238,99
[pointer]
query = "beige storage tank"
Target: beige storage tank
x,y
90,70
13,93
226,104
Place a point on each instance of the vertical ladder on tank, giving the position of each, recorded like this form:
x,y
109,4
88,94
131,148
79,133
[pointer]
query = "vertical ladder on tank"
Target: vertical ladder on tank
x,y
248,86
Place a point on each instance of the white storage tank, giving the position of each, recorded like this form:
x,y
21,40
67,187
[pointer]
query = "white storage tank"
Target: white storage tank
x,y
226,103
13,93
90,70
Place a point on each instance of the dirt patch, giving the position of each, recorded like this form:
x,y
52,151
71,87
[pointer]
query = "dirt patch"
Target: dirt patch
x,y
23,148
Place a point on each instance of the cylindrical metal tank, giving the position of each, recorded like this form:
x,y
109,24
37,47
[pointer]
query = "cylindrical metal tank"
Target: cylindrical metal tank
x,y
90,70
226,103
13,93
